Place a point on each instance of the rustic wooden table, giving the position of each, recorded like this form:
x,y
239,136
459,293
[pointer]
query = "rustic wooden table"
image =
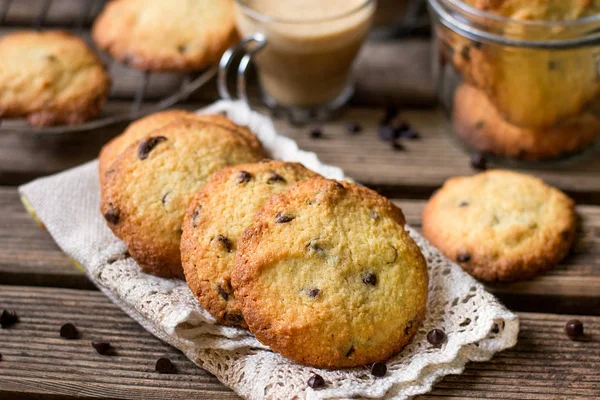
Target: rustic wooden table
x,y
42,286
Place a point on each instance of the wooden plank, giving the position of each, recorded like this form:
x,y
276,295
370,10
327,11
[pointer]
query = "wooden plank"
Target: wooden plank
x,y
414,173
37,362
28,256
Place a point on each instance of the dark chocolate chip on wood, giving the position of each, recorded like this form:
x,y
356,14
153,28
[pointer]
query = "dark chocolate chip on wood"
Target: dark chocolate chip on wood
x,y
316,381
102,347
387,133
316,133
463,257
353,128
112,214
69,331
479,162
243,177
165,366
275,177
391,112
410,134
378,369
574,329
281,218
147,145
369,278
396,145
436,337
8,318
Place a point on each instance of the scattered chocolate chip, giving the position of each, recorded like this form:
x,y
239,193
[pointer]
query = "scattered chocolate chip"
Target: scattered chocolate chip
x,y
147,145
181,48
386,133
463,257
195,215
316,133
478,161
313,292
466,322
275,177
315,246
0,356
224,291
225,242
353,128
234,318
243,177
436,337
112,215
410,134
391,112
316,381
164,198
574,329
463,204
165,366
465,53
283,218
369,278
479,125
378,369
396,145
101,347
8,318
69,331
350,351
408,327
495,329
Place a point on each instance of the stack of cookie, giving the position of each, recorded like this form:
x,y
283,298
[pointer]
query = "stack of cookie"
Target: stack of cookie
x,y
321,271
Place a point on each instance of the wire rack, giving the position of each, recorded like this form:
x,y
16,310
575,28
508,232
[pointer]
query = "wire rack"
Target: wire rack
x,y
38,17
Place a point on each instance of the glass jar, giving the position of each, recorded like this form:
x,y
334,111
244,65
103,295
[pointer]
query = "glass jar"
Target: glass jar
x,y
518,89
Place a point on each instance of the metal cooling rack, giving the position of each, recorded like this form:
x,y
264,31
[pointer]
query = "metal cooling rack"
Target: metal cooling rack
x,y
139,105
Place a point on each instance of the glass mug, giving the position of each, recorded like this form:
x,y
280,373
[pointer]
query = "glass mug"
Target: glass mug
x,y
303,52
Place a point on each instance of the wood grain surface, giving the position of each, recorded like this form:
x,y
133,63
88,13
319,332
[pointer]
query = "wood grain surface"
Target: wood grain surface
x,y
36,361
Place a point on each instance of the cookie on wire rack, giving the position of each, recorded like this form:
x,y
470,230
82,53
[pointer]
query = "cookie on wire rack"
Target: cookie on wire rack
x,y
50,78
328,276
216,218
148,188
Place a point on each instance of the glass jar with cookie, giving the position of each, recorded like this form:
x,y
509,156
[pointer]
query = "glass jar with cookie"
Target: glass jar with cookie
x,y
520,79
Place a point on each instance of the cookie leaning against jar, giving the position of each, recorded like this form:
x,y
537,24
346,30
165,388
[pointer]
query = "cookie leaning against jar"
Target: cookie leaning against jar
x,y
501,225
531,88
157,35
50,78
216,218
145,196
328,277
142,127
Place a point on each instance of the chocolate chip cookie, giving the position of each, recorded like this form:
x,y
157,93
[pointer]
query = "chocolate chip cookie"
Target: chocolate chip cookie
x,y
50,78
216,218
500,225
176,35
142,127
145,196
327,276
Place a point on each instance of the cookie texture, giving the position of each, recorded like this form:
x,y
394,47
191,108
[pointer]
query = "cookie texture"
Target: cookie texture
x,y
50,78
328,277
545,10
176,35
145,196
216,218
501,225
478,123
142,127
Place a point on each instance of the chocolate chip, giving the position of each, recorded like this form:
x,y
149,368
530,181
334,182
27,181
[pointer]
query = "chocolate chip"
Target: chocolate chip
x,y
391,112
465,53
350,351
477,45
195,215
378,369
225,242
396,145
316,381
463,204
478,161
8,318
315,246
466,322
316,133
69,331
479,125
181,48
408,327
386,133
574,329
436,337
102,347
353,128
313,292
243,177
112,215
234,318
369,278
275,177
281,218
410,134
164,198
0,356
51,58
495,329
165,366
223,291
147,145
463,257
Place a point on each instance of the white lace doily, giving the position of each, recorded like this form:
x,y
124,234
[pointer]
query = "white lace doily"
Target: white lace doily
x,y
476,324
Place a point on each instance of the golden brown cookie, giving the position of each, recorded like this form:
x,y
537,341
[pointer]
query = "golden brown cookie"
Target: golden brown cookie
x,y
500,225
477,122
142,127
145,195
544,10
50,78
216,218
327,276
176,35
